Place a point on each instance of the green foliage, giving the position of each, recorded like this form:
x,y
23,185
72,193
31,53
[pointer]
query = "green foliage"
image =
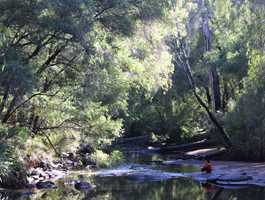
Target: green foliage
x,y
246,121
16,74
99,128
61,67
7,162
105,160
89,71
12,174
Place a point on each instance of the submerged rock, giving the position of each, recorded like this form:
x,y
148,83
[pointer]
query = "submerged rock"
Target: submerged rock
x,y
45,185
138,172
83,186
153,175
234,180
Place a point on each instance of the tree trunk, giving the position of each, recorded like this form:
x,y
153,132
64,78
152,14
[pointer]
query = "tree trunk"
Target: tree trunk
x,y
214,120
183,57
51,144
215,88
9,110
213,75
208,96
185,147
4,99
225,96
35,126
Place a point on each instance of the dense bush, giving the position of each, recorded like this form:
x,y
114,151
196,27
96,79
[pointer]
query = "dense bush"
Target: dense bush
x,y
99,128
12,174
246,122
107,160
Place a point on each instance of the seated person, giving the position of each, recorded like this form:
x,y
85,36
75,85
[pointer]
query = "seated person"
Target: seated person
x,y
207,167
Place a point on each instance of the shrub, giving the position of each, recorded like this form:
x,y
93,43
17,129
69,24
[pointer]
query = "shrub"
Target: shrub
x,y
99,128
12,173
105,160
246,122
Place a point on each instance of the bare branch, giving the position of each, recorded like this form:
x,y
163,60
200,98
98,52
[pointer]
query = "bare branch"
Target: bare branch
x,y
51,58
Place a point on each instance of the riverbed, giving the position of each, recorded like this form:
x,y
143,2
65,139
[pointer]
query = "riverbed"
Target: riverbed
x,y
142,177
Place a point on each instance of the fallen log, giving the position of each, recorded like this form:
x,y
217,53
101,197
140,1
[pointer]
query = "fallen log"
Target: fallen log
x,y
206,153
184,147
130,140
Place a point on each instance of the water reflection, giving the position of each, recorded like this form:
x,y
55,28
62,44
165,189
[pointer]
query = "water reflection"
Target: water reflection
x,y
120,188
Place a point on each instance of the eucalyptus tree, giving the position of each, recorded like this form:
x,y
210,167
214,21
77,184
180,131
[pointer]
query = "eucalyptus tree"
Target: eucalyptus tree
x,y
47,46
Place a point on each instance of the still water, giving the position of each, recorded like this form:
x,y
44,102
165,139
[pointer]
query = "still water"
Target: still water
x,y
128,188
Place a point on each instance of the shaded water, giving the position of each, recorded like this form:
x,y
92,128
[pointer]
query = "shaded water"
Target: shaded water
x,y
139,188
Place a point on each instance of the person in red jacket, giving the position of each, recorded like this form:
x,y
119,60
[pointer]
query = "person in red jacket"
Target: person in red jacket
x,y
207,167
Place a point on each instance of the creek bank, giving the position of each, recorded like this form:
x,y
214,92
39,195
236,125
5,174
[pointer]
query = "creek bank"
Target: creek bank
x,y
46,171
15,179
198,148
42,172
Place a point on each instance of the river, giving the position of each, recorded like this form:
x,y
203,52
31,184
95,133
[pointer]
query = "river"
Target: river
x,y
142,177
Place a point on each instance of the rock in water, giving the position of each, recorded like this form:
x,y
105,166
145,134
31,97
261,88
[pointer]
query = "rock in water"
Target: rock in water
x,y
83,186
45,185
234,180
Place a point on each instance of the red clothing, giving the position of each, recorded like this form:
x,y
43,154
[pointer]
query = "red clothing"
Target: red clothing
x,y
209,187
207,168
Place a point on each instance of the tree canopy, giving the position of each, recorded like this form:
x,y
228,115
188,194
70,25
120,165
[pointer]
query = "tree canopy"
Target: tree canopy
x,y
86,72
